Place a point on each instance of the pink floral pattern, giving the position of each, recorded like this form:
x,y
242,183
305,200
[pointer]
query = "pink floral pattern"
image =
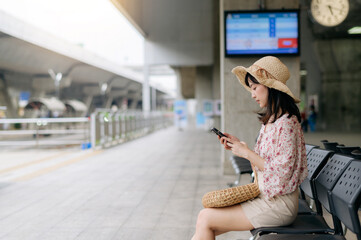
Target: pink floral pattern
x,y
282,146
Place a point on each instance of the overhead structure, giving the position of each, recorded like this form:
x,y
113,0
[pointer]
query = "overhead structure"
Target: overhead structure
x,y
75,108
45,107
28,55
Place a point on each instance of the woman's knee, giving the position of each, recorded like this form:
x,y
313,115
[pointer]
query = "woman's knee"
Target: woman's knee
x,y
204,217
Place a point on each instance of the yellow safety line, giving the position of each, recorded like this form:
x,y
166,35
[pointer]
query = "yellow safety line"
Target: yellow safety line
x,y
55,167
33,162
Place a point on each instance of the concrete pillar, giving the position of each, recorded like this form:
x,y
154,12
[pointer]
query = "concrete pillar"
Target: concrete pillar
x,y
188,77
88,102
216,82
109,101
203,90
146,88
134,104
238,117
341,85
310,63
195,83
5,98
179,83
154,99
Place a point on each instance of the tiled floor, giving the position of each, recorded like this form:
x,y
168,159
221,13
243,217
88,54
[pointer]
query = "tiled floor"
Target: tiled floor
x,y
149,188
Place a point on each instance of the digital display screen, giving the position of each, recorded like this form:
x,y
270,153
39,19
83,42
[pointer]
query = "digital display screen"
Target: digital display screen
x,y
262,33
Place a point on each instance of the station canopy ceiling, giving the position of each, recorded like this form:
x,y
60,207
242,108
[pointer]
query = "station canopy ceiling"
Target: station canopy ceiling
x,y
29,51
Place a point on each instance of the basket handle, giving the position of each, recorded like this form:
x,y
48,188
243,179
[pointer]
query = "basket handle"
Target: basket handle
x,y
255,175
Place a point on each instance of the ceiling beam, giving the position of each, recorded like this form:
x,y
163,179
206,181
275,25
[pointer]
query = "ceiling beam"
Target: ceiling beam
x,y
119,6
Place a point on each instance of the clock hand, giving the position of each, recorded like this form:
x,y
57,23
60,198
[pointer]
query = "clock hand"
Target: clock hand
x,y
329,7
338,9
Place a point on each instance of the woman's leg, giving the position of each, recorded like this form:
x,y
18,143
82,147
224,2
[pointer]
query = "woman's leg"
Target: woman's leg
x,y
215,221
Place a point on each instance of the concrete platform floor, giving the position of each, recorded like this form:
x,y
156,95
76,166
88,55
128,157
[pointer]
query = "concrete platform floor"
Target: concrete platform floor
x,y
348,139
149,188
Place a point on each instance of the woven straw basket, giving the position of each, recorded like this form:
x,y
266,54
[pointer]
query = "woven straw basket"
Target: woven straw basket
x,y
231,196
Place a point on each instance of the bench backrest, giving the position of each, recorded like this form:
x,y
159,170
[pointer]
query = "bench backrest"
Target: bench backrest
x,y
331,146
316,160
309,147
327,178
346,197
347,150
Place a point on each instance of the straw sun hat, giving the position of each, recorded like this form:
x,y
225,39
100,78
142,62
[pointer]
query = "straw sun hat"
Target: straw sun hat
x,y
269,71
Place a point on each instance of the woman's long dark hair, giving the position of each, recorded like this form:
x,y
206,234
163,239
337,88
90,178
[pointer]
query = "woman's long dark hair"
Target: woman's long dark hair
x,y
278,104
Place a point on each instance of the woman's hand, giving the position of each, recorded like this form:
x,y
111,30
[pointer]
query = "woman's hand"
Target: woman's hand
x,y
239,148
229,138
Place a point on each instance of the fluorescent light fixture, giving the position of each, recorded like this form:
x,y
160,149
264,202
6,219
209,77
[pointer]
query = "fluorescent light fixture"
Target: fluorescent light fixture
x,y
354,30
303,72
103,87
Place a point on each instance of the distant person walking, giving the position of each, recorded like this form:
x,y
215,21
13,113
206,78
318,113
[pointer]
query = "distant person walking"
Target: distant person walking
x,y
304,121
312,117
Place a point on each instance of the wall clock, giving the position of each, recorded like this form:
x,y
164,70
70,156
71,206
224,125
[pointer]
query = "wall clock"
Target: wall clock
x,y
329,13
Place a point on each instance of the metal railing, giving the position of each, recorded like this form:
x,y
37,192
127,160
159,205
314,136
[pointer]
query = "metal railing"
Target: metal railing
x,y
44,131
111,128
104,128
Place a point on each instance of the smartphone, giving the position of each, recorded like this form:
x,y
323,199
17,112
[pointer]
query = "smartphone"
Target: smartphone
x,y
219,133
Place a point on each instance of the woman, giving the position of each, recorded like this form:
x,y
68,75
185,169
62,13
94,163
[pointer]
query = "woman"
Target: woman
x,y
278,159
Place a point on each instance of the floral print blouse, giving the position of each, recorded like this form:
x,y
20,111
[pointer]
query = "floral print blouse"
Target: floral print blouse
x,y
282,146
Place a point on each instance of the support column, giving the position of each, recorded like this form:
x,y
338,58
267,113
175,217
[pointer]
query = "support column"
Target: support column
x,y
340,96
134,103
146,89
179,83
109,101
88,102
10,108
154,99
238,109
204,92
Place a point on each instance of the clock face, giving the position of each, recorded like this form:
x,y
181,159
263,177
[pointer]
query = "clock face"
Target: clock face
x,y
329,12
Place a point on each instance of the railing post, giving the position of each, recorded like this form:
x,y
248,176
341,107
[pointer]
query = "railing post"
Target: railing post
x,y
102,129
117,127
37,135
110,128
93,129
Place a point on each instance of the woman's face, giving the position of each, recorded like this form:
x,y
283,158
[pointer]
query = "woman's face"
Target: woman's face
x,y
259,93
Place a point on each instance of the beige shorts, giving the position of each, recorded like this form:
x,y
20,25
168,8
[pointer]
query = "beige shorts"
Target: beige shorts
x,y
278,211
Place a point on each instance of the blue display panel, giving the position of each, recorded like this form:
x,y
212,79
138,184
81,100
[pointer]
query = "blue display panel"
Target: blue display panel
x,y
262,33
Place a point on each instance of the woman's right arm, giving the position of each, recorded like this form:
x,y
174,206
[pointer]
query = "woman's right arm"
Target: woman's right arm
x,y
224,141
241,149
